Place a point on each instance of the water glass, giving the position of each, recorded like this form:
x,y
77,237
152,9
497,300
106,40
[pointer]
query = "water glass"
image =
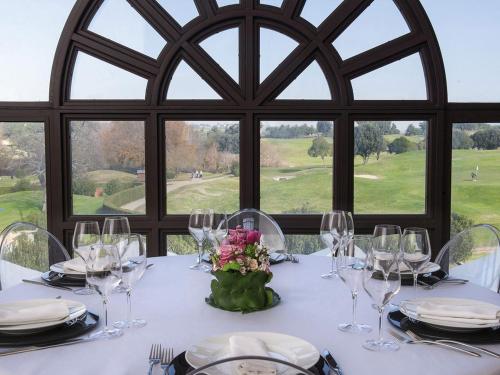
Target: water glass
x,y
333,231
215,227
416,249
85,235
196,230
116,231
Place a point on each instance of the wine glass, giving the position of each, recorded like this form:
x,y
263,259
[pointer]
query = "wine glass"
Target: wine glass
x,y
332,232
215,227
134,263
86,235
196,230
416,251
116,231
381,277
104,273
350,268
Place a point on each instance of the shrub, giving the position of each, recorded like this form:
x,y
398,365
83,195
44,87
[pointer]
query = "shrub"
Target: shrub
x,y
171,173
116,185
123,197
458,224
84,186
488,139
461,140
400,145
22,184
235,168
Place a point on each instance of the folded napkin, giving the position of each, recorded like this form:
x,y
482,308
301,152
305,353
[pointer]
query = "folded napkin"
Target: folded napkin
x,y
32,311
455,310
77,264
247,345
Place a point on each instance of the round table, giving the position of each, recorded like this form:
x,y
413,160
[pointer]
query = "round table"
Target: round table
x,y
171,298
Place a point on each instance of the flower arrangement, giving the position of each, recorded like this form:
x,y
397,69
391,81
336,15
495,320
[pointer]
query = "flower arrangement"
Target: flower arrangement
x,y
241,269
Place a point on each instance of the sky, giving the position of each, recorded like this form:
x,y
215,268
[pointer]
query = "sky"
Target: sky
x,y
467,30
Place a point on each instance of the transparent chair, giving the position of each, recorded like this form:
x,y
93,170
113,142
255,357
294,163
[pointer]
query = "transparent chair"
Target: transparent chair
x,y
27,251
474,254
251,365
271,235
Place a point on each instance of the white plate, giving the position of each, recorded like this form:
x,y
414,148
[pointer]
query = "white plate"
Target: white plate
x,y
280,346
409,310
59,268
76,309
429,267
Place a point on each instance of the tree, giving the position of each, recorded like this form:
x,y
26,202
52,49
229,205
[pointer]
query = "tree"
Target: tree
x,y
229,140
461,140
124,144
324,127
320,147
400,145
488,139
394,129
423,127
412,130
382,148
368,139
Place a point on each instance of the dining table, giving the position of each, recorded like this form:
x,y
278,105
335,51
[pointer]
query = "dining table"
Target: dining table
x,y
171,297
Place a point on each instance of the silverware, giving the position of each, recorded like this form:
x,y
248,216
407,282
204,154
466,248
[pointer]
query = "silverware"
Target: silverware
x,y
150,265
331,362
47,285
154,357
414,336
446,281
166,358
405,340
35,348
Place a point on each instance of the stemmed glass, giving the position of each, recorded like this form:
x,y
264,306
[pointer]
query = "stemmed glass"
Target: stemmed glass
x,y
116,231
215,227
134,263
416,251
332,232
196,230
104,273
350,267
86,235
381,277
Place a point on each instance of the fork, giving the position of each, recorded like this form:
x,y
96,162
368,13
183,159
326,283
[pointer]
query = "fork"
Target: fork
x,y
154,356
405,340
414,336
166,358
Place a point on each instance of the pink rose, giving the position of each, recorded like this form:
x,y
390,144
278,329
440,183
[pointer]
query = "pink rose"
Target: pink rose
x,y
253,236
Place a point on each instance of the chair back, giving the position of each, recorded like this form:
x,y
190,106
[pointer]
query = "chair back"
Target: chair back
x,y
27,251
272,236
474,254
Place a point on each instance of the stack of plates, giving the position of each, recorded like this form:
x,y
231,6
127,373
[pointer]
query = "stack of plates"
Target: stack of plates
x,y
59,275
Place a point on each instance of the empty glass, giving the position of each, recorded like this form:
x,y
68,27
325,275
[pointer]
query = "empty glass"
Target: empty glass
x,y
104,273
116,231
134,263
350,268
215,228
381,277
416,251
332,233
196,230
86,235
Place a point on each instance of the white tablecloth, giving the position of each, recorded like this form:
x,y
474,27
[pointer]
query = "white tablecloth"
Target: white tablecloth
x,y
171,298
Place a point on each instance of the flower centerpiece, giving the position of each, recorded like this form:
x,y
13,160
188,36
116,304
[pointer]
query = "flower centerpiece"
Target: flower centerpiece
x,y
241,269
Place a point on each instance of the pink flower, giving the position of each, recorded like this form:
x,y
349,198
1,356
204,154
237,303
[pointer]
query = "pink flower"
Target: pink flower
x,y
226,254
253,236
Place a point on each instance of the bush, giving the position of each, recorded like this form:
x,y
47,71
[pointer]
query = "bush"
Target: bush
x,y
400,145
22,184
171,173
115,185
84,186
488,139
458,224
235,168
461,140
123,197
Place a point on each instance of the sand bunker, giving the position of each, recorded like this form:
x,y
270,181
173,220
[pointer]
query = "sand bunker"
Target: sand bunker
x,y
367,176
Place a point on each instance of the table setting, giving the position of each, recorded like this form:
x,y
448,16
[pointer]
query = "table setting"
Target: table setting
x,y
247,315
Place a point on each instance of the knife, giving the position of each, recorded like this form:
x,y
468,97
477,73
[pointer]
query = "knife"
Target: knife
x,y
47,285
331,362
35,348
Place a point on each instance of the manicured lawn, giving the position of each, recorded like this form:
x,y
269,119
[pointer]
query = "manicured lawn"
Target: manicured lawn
x,y
101,177
19,206
84,205
293,152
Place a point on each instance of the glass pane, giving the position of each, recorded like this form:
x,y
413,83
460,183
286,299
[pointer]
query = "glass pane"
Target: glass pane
x,y
303,243
182,11
30,32
108,175
95,79
187,84
379,23
274,48
296,166
401,80
468,32
223,3
118,20
182,244
203,165
475,187
223,47
389,167
275,3
311,84
316,11
22,173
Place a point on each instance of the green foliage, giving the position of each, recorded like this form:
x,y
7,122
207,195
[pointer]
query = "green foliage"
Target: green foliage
x,y
22,184
400,145
488,139
412,130
171,173
303,243
471,126
287,131
461,140
462,248
84,186
385,127
235,168
324,127
368,140
116,185
320,148
123,197
229,140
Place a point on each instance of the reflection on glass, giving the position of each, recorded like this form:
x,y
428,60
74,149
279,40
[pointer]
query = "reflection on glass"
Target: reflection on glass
x,y
296,166
389,167
22,173
108,174
203,165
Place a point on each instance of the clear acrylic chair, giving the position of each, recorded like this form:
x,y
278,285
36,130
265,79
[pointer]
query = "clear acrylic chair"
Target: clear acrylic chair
x,y
474,254
271,235
27,251
250,365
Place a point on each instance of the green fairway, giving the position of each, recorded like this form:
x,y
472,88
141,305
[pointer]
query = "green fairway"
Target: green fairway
x,y
86,205
293,152
19,206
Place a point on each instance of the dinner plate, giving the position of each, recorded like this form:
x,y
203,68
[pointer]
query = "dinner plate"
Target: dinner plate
x,y
429,267
76,310
58,279
406,308
288,348
59,268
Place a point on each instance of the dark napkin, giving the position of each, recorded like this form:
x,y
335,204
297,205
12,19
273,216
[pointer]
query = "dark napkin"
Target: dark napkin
x,y
58,279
